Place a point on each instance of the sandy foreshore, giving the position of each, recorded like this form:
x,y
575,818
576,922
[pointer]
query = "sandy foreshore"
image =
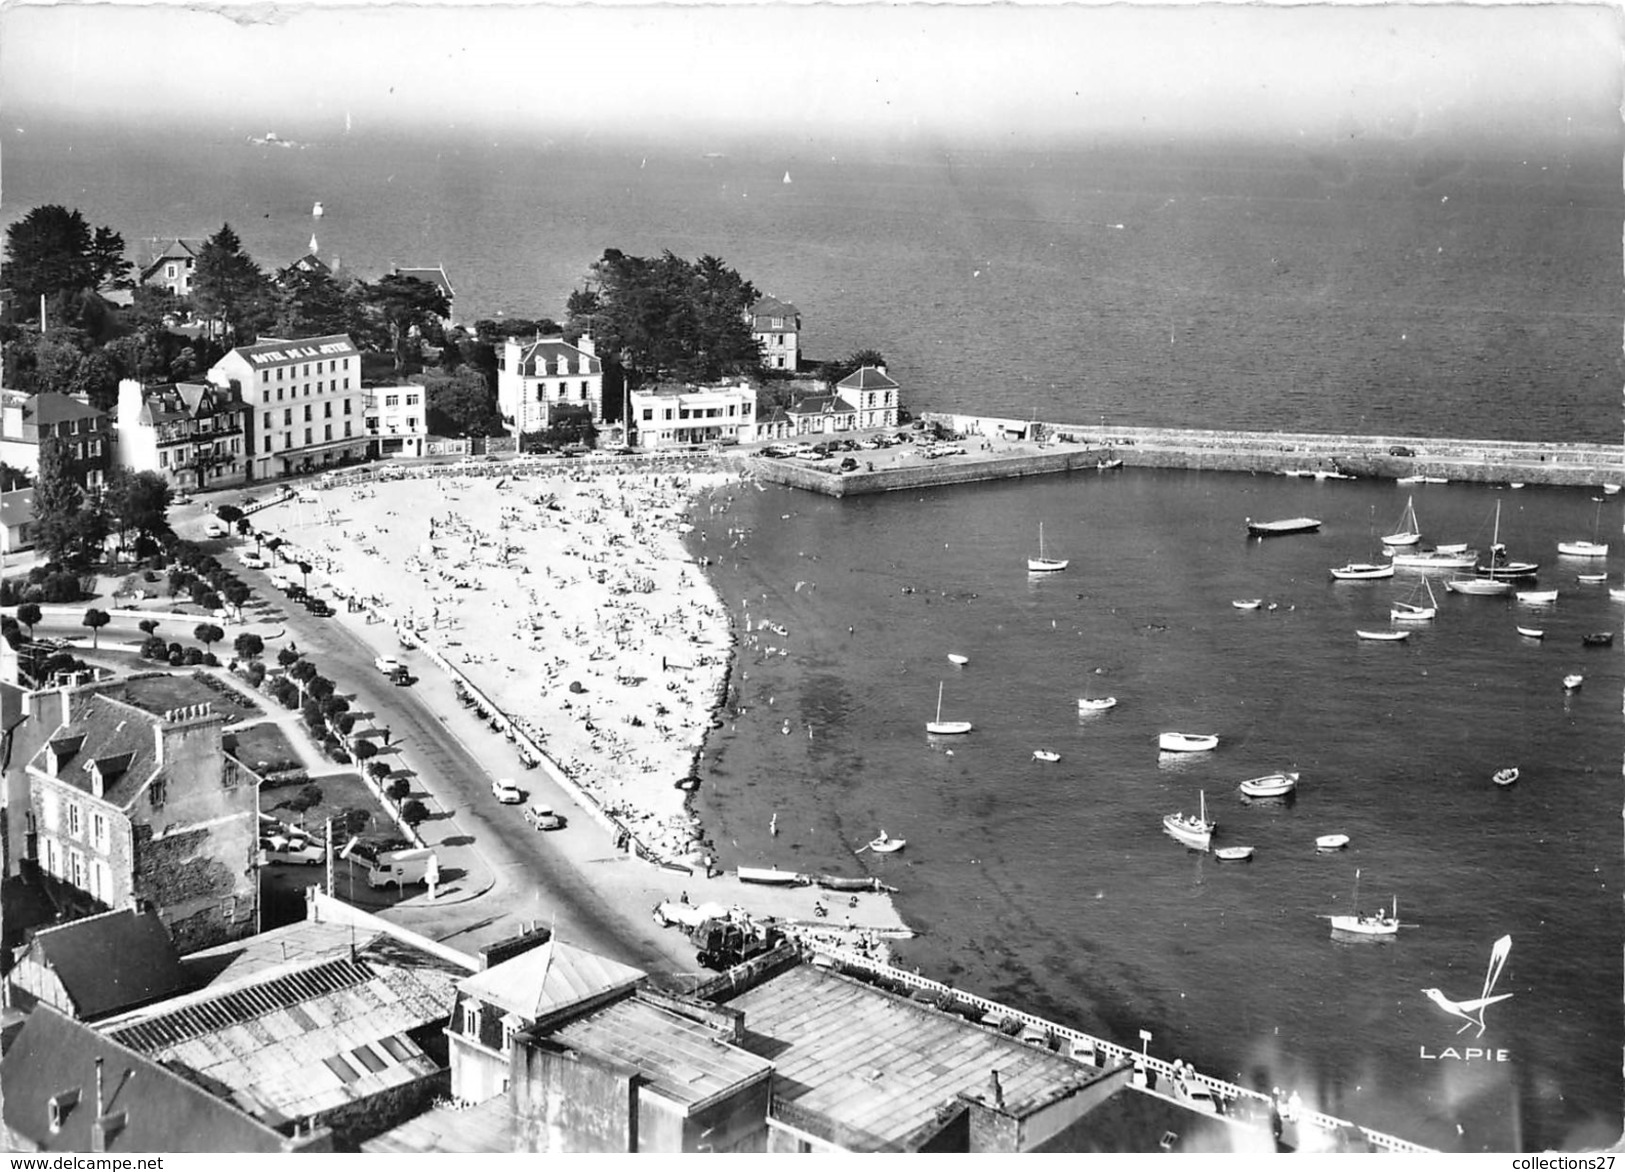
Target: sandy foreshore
x,y
564,594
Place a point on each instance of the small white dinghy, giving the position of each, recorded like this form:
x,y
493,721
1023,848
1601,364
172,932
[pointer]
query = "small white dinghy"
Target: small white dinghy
x,y
1506,776
1178,742
1331,842
1234,854
885,845
1045,755
1532,632
1247,603
1572,682
958,660
1085,704
1384,636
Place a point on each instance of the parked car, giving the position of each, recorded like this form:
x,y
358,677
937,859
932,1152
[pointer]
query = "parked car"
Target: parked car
x,y
1401,450
215,529
302,852
543,818
849,465
318,607
506,791
387,664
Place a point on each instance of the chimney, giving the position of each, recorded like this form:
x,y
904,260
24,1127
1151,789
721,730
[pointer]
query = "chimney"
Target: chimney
x,y
996,1089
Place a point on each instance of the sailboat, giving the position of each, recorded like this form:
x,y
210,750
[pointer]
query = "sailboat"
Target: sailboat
x,y
1361,570
1409,532
1194,830
313,244
1042,564
1379,923
941,727
316,208
787,177
1414,611
1586,549
1499,566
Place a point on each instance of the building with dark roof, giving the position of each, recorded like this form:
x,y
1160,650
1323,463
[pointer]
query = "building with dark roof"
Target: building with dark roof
x,y
668,416
821,415
68,1088
173,265
776,326
28,420
536,379
191,434
305,402
127,805
98,966
873,396
17,520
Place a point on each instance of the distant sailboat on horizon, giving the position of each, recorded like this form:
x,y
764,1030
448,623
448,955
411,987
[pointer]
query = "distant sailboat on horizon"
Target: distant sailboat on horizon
x,y
787,177
313,244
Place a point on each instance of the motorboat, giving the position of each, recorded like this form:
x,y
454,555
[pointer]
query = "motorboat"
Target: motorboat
x,y
1384,636
1281,528
958,660
1505,776
1437,558
1178,742
1359,570
1598,639
1379,923
1194,830
1413,610
940,727
1479,586
1271,785
1233,854
1591,579
1537,597
1571,682
1043,564
1045,755
1097,704
1247,603
1108,465
1532,632
1331,842
886,845
1408,532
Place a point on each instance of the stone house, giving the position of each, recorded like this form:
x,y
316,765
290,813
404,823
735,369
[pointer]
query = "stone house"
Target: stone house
x,y
172,266
191,434
873,396
27,420
98,966
776,326
535,379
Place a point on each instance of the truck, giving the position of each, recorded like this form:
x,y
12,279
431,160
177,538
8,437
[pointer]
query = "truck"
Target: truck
x,y
402,867
722,942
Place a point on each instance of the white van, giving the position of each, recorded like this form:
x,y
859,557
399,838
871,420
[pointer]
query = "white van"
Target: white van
x,y
401,867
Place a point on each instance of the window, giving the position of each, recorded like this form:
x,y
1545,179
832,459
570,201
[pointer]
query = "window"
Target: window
x,y
75,824
346,429
327,431
307,412
76,870
583,390
279,394
156,792
265,396
163,459
287,440
471,1020
392,400
307,435
169,271
231,774
648,414
346,381
98,831
99,886
346,402
411,400
265,376
279,373
307,370
287,416
267,420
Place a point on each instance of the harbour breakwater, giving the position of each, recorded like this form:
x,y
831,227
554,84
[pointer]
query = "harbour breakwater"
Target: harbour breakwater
x,y
1015,447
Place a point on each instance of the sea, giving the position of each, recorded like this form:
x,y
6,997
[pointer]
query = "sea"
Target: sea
x,y
1401,288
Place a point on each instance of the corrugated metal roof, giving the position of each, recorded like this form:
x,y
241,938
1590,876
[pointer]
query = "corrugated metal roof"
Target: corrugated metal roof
x,y
451,1129
881,1065
548,979
683,1060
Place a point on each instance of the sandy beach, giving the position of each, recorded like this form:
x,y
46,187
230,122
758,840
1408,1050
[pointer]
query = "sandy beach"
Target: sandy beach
x,y
562,592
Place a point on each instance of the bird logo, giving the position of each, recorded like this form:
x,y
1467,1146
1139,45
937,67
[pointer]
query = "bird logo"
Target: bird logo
x,y
1472,1012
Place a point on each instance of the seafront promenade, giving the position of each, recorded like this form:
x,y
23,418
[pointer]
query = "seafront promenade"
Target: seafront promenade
x,y
999,449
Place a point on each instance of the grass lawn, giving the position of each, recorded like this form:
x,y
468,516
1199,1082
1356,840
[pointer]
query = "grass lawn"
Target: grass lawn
x,y
340,792
161,693
262,746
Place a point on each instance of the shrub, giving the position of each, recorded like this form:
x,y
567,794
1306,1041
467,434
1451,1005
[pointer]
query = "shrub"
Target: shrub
x,y
194,656
344,722
365,750
154,648
210,659
307,797
255,673
399,789
414,812
177,658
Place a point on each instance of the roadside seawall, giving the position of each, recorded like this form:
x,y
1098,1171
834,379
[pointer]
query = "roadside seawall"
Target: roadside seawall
x,y
1028,448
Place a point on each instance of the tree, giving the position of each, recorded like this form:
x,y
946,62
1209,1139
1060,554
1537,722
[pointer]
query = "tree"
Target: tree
x,y
58,502
249,645
28,614
414,812
95,378
229,514
96,620
398,789
237,594
287,657
207,633
304,575
310,303
379,770
52,250
399,304
365,750
14,478
229,287
138,502
302,671
108,268
461,404
834,372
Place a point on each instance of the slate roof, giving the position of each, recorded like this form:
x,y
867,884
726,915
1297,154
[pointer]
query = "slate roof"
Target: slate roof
x,y
107,734
768,308
549,979
17,507
162,1112
682,1059
184,250
111,962
52,408
877,1066
770,413
819,404
178,401
552,351
434,276
272,352
868,378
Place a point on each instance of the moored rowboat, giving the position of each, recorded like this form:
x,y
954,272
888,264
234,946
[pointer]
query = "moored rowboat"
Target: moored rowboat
x,y
1505,776
1384,636
1281,528
1234,854
1331,842
1271,785
1532,632
1178,742
1085,704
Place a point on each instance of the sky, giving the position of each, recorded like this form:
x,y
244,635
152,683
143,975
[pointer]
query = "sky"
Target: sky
x,y
967,72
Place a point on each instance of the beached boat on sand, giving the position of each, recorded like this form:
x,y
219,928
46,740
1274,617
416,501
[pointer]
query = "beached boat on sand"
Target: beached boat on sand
x,y
773,877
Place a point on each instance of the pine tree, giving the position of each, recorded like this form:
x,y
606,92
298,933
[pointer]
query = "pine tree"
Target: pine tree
x,y
58,502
